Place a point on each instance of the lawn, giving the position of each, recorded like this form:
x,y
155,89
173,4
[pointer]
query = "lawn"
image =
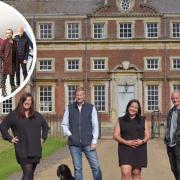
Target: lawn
x,y
4,145
8,162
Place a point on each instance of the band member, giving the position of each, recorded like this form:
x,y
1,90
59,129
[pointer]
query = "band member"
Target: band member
x,y
1,40
8,53
29,131
172,135
80,124
22,53
131,133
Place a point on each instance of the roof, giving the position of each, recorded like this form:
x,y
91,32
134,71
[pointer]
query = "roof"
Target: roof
x,y
83,7
58,7
166,6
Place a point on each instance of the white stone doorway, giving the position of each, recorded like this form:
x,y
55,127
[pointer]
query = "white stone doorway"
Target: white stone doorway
x,y
125,94
126,84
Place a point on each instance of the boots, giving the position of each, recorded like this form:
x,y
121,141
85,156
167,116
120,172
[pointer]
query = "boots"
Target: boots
x,y
4,93
3,86
13,88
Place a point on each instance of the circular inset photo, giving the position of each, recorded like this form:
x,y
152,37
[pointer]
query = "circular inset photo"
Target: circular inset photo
x,y
17,51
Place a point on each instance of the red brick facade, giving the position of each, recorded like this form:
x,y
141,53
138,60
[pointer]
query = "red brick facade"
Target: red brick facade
x,y
136,50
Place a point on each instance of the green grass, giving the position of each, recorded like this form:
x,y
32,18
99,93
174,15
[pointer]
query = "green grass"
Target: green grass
x,y
51,146
8,164
4,145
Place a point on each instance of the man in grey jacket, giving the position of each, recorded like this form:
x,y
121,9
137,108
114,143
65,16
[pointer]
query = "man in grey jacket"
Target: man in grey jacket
x,y
80,124
172,135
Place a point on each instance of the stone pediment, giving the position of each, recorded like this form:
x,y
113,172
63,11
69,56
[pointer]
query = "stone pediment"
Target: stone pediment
x,y
126,67
114,8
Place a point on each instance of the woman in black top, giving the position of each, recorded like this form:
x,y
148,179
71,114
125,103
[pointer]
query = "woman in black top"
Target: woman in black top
x,y
29,131
132,134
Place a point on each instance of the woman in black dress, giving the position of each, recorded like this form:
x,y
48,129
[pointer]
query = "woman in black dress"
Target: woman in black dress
x,y
131,133
29,131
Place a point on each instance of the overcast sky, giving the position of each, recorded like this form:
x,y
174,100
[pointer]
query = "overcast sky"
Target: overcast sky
x,y
10,18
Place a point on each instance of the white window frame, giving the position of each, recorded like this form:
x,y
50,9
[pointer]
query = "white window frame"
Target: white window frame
x,y
171,84
176,85
146,84
79,29
40,84
151,69
105,29
38,29
66,90
13,106
72,96
67,59
99,58
44,59
146,29
171,62
93,84
171,27
125,22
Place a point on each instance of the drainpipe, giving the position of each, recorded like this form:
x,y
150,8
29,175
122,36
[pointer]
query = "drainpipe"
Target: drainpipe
x,y
85,56
165,54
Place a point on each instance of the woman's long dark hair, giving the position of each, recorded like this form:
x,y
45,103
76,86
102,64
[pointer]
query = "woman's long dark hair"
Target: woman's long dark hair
x,y
20,109
129,104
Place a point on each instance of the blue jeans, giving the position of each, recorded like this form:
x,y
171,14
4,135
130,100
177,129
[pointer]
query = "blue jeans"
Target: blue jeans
x,y
76,153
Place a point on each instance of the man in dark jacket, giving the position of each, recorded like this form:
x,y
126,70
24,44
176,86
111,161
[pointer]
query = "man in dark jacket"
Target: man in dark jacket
x,y
172,135
8,53
80,124
22,53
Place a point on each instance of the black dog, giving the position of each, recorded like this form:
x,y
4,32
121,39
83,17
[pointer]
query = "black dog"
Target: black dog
x,y
64,172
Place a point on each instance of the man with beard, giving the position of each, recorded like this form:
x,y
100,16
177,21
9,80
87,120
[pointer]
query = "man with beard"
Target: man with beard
x,y
8,52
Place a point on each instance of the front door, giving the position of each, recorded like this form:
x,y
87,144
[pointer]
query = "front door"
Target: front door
x,y
125,94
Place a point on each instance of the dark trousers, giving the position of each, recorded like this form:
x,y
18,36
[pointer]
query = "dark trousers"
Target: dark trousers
x,y
3,82
1,72
174,159
24,71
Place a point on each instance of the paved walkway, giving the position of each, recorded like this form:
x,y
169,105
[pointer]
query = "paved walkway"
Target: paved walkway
x,y
158,165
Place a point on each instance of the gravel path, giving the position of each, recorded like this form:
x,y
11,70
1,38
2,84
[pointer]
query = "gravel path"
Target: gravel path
x,y
158,165
44,164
